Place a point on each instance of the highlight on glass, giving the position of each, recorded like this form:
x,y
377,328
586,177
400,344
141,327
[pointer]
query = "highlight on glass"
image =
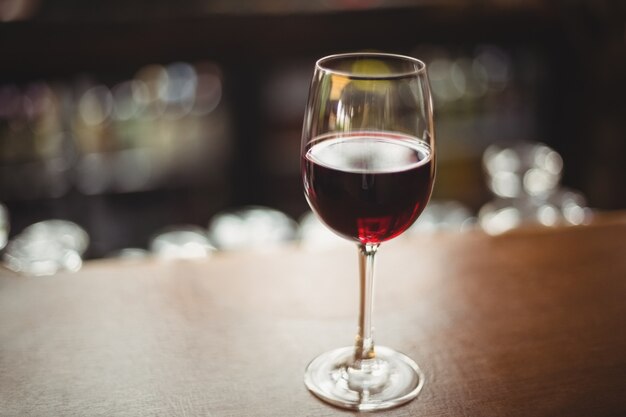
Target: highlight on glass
x,y
368,166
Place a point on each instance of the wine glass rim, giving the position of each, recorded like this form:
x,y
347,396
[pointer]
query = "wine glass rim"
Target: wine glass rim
x,y
420,66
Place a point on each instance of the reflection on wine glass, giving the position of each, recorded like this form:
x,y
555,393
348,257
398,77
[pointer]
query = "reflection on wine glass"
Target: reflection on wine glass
x,y
368,165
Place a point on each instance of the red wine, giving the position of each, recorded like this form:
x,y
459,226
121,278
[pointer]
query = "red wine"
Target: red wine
x,y
368,186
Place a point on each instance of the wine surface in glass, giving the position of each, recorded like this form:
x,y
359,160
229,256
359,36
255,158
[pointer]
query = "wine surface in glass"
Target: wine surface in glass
x,y
368,186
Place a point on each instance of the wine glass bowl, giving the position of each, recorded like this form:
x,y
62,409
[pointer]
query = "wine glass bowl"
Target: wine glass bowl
x,y
368,186
368,165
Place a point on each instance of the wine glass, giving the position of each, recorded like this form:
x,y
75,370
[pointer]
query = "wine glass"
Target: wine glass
x,y
368,165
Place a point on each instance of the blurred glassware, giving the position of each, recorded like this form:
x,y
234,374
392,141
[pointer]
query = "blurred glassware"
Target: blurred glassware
x,y
501,215
522,169
46,248
475,76
151,80
125,106
525,178
161,127
564,207
443,215
68,233
34,154
96,105
314,235
179,91
571,206
181,242
5,226
251,227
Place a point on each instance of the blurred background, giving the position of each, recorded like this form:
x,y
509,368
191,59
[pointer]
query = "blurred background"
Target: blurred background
x,y
127,117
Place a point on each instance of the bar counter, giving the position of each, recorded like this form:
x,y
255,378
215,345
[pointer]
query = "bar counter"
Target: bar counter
x,y
530,323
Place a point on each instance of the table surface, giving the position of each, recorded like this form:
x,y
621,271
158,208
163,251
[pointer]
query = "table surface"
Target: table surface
x,y
531,323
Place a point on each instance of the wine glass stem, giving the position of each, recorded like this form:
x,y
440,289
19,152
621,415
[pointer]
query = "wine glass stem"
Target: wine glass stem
x,y
364,348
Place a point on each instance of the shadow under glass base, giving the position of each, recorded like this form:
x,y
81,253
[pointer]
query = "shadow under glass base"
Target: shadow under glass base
x,y
388,381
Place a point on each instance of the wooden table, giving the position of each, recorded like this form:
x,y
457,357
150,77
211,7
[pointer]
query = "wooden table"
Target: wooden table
x,y
526,324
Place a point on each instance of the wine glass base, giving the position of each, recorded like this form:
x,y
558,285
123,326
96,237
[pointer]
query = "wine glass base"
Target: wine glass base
x,y
393,380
